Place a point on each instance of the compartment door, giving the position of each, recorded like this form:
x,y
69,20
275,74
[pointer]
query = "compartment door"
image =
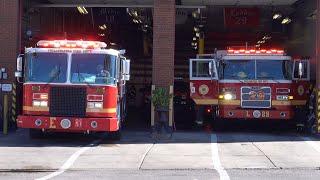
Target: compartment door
x,y
301,82
203,81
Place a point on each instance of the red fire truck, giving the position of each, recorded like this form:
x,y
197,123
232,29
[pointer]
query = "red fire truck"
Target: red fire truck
x,y
72,86
250,84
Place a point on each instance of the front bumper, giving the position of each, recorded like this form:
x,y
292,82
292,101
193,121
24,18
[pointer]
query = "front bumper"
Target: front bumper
x,y
77,124
226,113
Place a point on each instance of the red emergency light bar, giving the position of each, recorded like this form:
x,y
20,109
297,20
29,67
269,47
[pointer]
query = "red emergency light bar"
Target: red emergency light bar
x,y
71,44
258,52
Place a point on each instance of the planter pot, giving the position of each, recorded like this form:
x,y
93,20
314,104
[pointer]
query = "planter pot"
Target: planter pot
x,y
162,114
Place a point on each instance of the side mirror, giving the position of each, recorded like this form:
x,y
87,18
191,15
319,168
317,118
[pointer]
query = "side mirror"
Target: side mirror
x,y
126,69
18,74
210,68
122,51
300,69
19,63
126,77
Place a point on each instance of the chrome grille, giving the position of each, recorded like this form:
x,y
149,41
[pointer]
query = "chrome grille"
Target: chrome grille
x,y
255,97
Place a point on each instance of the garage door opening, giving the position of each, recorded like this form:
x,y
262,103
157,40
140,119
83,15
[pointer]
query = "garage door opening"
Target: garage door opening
x,y
127,28
287,25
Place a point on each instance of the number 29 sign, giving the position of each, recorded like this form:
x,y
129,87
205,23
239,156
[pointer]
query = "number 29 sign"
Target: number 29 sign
x,y
241,17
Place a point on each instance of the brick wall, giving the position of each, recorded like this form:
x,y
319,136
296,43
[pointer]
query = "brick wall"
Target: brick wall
x,y
9,31
163,42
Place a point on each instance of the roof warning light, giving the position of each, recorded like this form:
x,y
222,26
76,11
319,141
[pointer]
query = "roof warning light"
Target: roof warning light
x,y
71,44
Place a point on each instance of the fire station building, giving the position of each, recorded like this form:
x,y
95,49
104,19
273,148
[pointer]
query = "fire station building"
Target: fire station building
x,y
160,36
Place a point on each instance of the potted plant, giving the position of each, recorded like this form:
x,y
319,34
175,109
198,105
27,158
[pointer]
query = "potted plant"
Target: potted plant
x,y
161,100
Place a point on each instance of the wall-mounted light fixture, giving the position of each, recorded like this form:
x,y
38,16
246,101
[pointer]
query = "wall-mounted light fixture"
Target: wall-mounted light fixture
x,y
286,21
276,16
82,10
103,27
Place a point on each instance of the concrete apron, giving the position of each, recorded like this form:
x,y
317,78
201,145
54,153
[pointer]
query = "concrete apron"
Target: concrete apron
x,y
135,151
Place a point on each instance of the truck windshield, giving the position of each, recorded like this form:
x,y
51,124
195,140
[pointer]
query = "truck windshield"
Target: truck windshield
x,y
238,69
46,67
274,69
93,69
256,69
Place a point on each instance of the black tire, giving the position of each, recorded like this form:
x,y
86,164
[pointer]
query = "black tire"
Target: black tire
x,y
35,133
115,136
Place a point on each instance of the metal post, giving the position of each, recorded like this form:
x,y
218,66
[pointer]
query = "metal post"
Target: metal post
x,y
14,104
152,106
318,64
171,107
5,114
201,43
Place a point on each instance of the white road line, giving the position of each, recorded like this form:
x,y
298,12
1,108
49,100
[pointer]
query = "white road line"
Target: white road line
x,y
70,161
216,160
311,143
145,155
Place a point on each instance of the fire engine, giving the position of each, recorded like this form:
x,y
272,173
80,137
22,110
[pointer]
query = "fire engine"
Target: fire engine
x,y
72,86
250,84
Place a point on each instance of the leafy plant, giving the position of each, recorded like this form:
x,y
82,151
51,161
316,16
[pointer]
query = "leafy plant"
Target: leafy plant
x,y
160,97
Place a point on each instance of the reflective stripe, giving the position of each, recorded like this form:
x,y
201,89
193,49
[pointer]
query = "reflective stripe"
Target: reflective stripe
x,y
288,103
42,109
206,101
107,110
298,102
32,108
230,102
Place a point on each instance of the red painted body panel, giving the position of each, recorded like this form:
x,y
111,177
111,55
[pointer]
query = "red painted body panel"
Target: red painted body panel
x,y
212,91
106,117
225,111
77,124
241,113
298,89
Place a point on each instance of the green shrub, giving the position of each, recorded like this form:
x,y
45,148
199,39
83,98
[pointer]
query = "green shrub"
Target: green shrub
x,y
160,97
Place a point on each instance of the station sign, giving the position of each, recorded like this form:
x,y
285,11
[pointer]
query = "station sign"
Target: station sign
x,y
241,17
6,87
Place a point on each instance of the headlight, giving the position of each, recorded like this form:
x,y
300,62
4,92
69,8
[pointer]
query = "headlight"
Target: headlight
x,y
227,96
40,103
44,103
97,105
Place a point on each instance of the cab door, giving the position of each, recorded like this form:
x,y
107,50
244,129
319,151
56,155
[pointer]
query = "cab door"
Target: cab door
x,y
203,81
301,81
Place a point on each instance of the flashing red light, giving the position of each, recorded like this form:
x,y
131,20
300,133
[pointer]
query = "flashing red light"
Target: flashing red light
x,y
71,44
208,110
253,51
92,97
